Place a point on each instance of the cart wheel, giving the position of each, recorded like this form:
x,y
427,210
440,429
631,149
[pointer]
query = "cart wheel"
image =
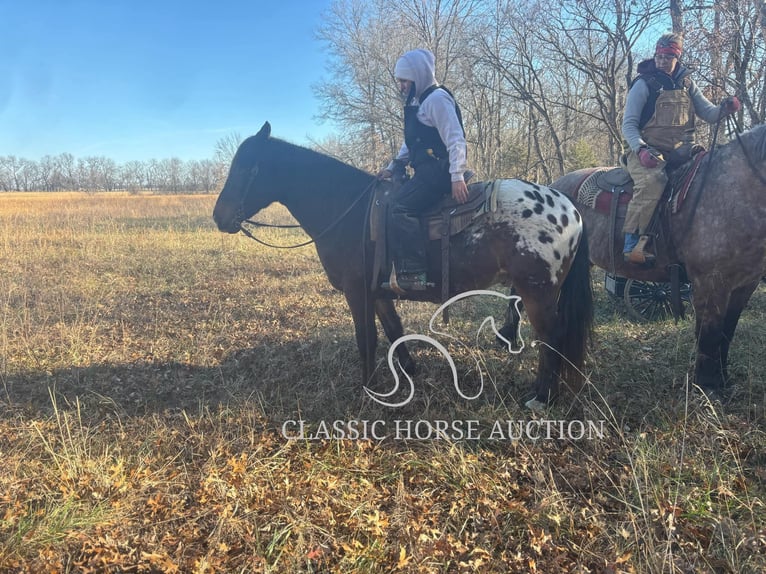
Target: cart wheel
x,y
647,301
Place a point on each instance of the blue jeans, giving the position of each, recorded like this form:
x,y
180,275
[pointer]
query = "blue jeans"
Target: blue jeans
x,y
631,239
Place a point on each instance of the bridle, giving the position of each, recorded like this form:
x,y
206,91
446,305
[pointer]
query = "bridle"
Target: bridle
x,y
240,218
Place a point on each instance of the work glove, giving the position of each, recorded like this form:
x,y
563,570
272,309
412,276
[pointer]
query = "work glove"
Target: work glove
x,y
730,106
649,157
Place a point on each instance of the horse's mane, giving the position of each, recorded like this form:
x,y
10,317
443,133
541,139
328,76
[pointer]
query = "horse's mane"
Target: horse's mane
x,y
309,157
754,141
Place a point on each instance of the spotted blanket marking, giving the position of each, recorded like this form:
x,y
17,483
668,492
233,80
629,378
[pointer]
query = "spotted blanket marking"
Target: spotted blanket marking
x,y
545,220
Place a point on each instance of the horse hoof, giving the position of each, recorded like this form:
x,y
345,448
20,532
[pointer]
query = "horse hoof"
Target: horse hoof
x,y
409,366
536,406
505,334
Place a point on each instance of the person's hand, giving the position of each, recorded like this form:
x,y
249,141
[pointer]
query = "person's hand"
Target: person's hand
x,y
384,174
648,157
459,191
730,105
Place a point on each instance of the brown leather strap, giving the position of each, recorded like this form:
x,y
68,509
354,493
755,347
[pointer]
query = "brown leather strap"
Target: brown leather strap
x,y
613,225
445,262
676,306
380,206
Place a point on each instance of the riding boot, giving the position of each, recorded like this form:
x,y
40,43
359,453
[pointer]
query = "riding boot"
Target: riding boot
x,y
639,255
408,272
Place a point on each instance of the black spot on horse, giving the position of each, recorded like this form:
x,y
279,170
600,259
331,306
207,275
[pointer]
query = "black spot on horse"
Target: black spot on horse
x,y
549,200
526,213
554,192
539,208
534,194
564,220
577,216
544,237
556,254
552,219
559,229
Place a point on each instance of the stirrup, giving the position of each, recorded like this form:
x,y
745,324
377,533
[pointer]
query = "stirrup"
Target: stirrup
x,y
407,282
639,258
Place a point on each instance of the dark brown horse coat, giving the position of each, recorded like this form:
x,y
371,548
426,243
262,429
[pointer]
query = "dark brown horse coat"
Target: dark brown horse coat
x,y
533,240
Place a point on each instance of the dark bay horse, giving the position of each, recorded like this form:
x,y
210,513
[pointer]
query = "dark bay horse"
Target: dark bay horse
x,y
532,239
718,234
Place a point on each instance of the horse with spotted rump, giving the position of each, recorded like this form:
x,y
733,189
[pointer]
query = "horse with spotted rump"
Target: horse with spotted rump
x,y
532,239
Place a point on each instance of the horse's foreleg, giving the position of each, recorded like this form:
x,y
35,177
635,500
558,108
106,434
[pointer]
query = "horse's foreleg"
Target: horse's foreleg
x,y
392,326
710,313
737,302
361,304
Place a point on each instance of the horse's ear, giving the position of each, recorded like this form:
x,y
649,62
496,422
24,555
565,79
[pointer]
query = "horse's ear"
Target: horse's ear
x,y
265,131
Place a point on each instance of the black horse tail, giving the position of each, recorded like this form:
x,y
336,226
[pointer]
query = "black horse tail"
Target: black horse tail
x,y
575,308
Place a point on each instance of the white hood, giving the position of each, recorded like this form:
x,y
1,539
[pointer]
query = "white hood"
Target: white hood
x,y
418,67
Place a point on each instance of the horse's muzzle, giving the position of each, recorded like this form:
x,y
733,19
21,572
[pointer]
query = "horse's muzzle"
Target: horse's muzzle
x,y
228,220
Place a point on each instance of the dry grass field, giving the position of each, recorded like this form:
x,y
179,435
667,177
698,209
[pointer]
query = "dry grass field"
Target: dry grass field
x,y
151,365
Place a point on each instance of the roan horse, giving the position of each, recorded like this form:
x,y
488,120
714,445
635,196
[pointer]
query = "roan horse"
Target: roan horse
x,y
533,240
718,234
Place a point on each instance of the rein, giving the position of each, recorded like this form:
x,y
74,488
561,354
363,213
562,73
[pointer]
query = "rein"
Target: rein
x,y
249,234
696,198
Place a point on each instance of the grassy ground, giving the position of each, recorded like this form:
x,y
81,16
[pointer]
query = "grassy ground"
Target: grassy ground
x,y
151,365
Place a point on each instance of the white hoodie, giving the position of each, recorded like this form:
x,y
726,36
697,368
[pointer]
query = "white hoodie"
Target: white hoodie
x,y
437,110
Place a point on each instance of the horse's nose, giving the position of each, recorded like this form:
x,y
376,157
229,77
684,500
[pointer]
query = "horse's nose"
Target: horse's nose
x,y
225,218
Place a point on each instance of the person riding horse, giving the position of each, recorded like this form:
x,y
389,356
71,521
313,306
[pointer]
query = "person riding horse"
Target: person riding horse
x,y
434,146
658,125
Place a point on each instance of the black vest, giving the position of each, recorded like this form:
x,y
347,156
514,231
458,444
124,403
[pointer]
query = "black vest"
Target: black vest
x,y
658,82
424,142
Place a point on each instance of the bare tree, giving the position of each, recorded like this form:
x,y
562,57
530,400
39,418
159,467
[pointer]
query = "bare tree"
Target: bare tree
x,y
726,47
541,83
226,147
132,176
364,40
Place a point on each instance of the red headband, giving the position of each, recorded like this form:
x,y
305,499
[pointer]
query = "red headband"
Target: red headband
x,y
671,49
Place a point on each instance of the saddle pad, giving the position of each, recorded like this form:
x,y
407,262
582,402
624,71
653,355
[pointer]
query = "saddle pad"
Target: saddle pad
x,y
595,191
604,200
589,190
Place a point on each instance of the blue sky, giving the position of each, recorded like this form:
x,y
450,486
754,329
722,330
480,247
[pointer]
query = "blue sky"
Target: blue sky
x,y
140,79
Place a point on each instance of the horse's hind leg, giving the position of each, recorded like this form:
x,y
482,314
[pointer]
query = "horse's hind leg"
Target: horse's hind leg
x,y
540,307
510,330
392,326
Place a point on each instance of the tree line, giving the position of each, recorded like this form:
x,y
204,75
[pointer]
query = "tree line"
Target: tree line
x,y
98,173
541,83
64,172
